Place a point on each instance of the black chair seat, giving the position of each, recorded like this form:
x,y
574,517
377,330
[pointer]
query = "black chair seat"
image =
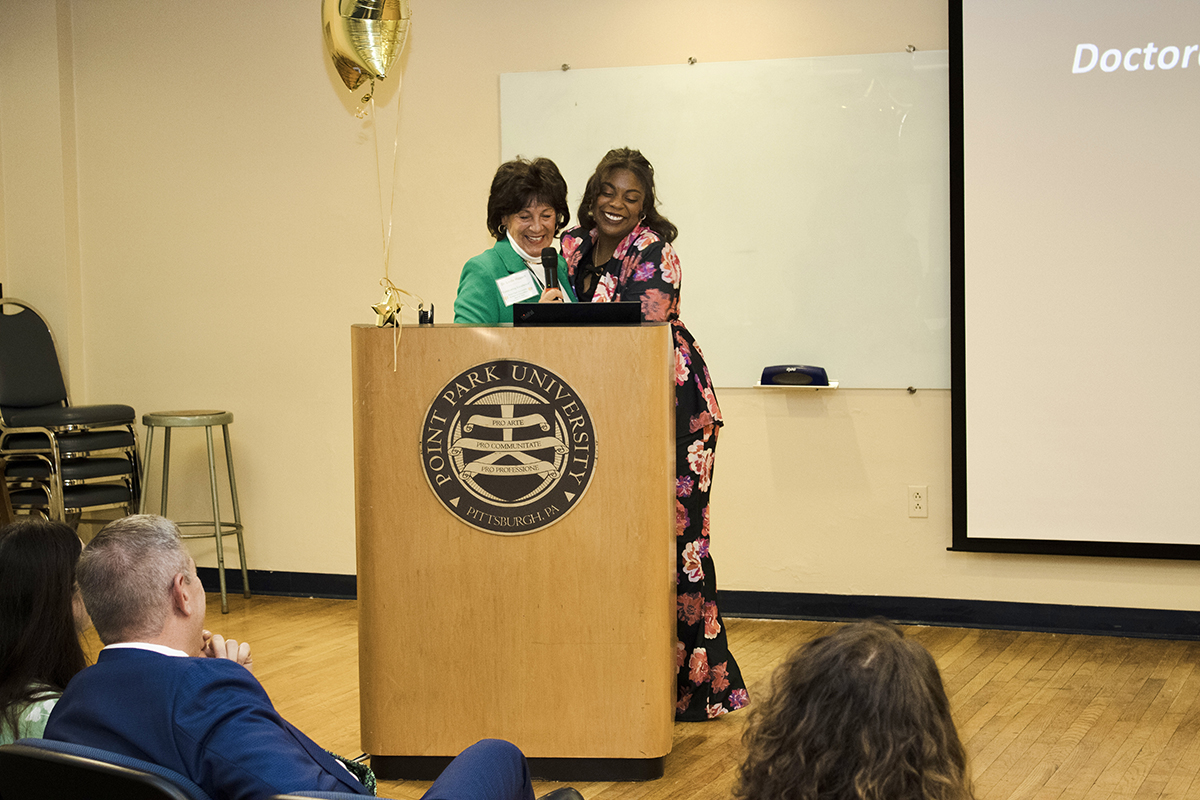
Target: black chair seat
x,y
62,416
75,469
85,496
40,769
70,443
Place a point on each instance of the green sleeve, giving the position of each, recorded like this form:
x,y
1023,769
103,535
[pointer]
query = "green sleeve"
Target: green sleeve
x,y
564,282
31,723
478,301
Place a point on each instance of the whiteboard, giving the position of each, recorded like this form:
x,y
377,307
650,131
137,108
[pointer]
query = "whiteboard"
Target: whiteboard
x,y
811,197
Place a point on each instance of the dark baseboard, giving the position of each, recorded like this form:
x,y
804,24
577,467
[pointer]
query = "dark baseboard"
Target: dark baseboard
x,y
1096,620
285,584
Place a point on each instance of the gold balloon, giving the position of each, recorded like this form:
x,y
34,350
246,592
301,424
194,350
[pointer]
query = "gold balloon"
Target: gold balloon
x,y
364,37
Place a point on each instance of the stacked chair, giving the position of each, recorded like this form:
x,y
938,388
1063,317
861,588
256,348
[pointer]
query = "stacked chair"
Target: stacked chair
x,y
59,460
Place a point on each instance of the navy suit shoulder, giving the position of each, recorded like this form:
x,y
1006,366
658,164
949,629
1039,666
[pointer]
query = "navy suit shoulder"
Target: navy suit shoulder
x,y
208,719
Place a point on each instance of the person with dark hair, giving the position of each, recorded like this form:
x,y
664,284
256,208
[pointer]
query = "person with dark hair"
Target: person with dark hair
x,y
167,691
41,616
621,251
860,714
527,208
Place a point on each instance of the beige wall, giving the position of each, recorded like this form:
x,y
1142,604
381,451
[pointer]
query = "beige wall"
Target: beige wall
x,y
39,230
228,234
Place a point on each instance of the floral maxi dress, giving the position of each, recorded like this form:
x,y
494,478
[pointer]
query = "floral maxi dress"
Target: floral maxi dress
x,y
645,268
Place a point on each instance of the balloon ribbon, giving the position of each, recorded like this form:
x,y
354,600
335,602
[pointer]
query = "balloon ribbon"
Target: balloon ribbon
x,y
388,312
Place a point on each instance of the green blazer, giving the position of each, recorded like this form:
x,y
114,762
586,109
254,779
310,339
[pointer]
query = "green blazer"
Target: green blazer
x,y
479,301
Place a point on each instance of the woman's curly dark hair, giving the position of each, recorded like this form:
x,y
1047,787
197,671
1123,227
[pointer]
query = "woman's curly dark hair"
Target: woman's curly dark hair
x,y
860,714
518,183
635,162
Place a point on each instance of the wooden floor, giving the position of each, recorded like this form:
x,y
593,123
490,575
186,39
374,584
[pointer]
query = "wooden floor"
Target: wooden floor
x,y
1041,715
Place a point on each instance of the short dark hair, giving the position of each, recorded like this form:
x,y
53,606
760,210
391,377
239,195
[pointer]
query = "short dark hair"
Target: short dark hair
x,y
125,574
520,182
860,713
39,645
635,162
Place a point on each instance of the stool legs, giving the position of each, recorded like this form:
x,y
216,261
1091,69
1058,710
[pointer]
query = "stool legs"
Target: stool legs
x,y
166,469
237,514
212,482
146,469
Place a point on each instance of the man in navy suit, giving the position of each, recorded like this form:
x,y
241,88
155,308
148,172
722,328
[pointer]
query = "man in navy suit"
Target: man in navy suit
x,y
167,691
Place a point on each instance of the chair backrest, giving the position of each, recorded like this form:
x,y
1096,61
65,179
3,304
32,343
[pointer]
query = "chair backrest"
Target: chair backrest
x,y
40,769
30,373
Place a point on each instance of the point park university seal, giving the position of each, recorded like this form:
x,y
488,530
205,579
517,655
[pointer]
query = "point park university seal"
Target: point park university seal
x,y
508,447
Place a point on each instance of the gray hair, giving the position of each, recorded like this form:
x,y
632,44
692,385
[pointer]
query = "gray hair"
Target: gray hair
x,y
125,575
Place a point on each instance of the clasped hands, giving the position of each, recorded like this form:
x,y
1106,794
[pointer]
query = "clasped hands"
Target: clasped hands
x,y
217,646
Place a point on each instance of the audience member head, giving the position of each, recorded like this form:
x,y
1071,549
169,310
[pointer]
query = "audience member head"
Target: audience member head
x,y
521,186
623,158
40,616
128,575
860,714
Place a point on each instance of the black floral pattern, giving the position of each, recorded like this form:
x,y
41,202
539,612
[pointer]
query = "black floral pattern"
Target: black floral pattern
x,y
645,269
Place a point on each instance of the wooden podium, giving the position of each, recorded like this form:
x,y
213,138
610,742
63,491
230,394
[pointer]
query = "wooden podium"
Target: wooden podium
x,y
561,639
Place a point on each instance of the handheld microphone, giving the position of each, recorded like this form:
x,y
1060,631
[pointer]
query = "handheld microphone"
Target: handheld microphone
x,y
550,265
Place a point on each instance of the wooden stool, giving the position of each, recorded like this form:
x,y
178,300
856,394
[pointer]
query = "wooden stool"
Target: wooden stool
x,y
207,420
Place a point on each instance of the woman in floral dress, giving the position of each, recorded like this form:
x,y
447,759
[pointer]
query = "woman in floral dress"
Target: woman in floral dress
x,y
622,251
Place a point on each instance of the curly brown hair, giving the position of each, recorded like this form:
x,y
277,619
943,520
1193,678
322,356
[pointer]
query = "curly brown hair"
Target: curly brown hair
x,y
635,162
518,183
860,714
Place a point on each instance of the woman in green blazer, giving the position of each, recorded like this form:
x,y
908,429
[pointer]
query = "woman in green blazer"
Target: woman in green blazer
x,y
527,208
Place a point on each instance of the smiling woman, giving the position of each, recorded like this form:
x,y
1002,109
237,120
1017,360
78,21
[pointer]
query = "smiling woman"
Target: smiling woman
x,y
527,208
622,251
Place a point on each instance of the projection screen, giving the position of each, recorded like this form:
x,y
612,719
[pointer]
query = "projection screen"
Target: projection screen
x,y
1075,279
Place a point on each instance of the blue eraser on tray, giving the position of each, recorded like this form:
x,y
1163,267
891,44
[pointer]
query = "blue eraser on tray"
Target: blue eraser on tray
x,y
794,375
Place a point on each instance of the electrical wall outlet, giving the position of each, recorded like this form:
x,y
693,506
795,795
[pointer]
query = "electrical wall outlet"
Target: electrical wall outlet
x,y
918,501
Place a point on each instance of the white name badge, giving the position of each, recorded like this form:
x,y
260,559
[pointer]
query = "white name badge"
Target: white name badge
x,y
517,287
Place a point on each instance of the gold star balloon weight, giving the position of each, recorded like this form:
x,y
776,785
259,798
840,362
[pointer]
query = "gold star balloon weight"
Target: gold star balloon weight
x,y
364,39
387,311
